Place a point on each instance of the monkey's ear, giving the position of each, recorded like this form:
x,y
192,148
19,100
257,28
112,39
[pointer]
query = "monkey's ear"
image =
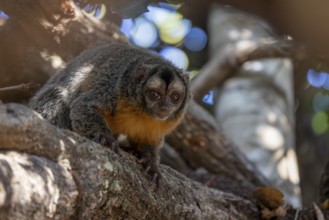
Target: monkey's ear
x,y
185,76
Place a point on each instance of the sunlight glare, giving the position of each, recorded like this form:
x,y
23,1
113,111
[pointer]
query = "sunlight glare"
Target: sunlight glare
x,y
270,137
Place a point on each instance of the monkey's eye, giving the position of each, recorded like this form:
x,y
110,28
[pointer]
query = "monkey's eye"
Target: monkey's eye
x,y
154,95
175,97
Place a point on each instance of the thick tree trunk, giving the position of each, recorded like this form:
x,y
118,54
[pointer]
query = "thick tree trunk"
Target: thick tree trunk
x,y
200,143
47,172
74,177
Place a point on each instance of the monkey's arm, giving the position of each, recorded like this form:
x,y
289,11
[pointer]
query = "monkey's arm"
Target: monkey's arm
x,y
87,120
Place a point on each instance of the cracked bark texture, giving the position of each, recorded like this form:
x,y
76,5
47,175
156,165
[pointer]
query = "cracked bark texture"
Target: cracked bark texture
x,y
100,184
49,173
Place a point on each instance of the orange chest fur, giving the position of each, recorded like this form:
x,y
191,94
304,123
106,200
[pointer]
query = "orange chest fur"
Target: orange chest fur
x,y
138,125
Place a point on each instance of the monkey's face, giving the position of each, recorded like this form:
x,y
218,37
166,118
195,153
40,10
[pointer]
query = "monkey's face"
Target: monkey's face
x,y
164,93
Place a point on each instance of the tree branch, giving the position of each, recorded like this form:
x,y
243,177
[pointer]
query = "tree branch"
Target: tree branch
x,y
109,186
22,86
89,181
200,143
41,35
230,58
34,188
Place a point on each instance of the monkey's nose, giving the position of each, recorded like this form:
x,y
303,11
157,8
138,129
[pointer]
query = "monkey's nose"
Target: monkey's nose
x,y
164,108
165,105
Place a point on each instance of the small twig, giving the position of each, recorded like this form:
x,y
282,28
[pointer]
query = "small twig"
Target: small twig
x,y
318,213
23,86
296,214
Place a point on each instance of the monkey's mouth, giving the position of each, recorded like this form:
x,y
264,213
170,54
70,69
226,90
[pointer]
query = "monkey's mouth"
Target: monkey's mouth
x,y
162,115
161,112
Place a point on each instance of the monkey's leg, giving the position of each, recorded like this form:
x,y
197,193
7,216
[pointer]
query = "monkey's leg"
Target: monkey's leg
x,y
148,156
88,120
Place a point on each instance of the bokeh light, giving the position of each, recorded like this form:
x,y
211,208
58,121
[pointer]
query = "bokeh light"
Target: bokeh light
x,y
326,82
127,26
144,33
320,123
100,11
320,102
96,10
163,26
89,8
3,15
174,30
209,98
3,18
316,79
195,40
176,56
172,27
158,15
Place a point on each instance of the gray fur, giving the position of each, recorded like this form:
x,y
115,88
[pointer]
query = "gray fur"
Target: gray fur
x,y
108,72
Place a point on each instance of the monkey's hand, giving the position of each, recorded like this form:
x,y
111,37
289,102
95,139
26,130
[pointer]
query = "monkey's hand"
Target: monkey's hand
x,y
149,158
106,139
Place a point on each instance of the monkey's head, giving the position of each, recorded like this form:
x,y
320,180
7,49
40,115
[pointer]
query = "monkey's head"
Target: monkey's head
x,y
166,93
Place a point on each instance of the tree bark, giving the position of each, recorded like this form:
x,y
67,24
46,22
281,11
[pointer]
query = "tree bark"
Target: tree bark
x,y
48,173
231,57
81,179
200,143
40,36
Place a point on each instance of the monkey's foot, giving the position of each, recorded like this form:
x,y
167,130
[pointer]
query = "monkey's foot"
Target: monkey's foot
x,y
151,168
107,140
